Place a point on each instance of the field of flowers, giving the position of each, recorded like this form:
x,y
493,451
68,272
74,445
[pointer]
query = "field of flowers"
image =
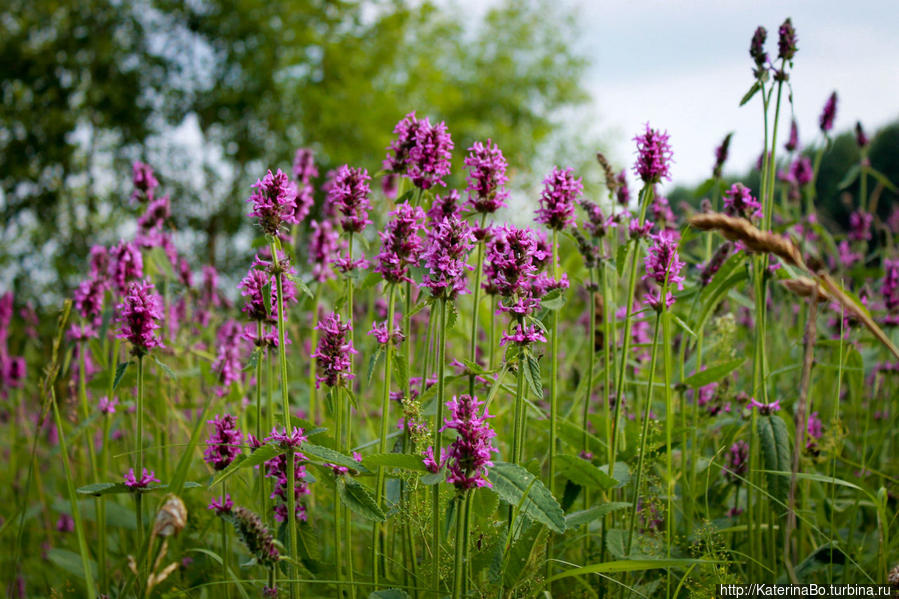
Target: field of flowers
x,y
413,398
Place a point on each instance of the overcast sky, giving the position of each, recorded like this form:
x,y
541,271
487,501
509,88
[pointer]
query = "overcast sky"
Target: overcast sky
x,y
684,65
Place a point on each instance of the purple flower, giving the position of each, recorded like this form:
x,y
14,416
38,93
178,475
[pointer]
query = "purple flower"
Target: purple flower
x,y
125,264
65,523
99,262
274,202
294,439
561,191
333,352
446,250
348,195
256,536
304,169
814,427
825,121
144,182
469,455
443,206
379,332
276,468
305,199
324,247
653,156
421,151
138,317
757,47
400,243
430,461
663,266
635,231
890,286
389,185
157,212
523,335
221,507
721,153
510,264
801,171
860,225
486,178
786,42
89,298
860,138
13,370
718,258
661,211
596,223
737,461
253,287
738,201
622,192
846,256
140,483
764,408
228,362
793,141
107,406
223,445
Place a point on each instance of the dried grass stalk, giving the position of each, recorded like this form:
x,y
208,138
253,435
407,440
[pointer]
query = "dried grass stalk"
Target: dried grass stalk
x,y
754,239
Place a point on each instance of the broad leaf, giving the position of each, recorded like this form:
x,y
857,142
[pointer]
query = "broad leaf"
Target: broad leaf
x,y
775,444
713,374
404,461
516,486
359,499
583,473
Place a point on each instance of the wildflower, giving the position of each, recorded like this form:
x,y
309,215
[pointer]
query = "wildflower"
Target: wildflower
x,y
421,151
223,445
65,523
509,261
764,408
125,264
718,258
444,255
138,316
389,185
846,256
721,153
860,225
144,182
89,298
99,262
157,212
349,196
430,462
254,288
333,352
140,483
228,360
107,406
324,246
469,455
486,178
596,223
786,43
443,206
661,211
221,506
653,156
738,201
801,171
663,265
276,468
560,192
636,231
825,121
304,169
400,243
860,138
382,336
12,371
793,141
256,536
757,49
274,202
622,192
737,461
523,335
814,428
305,198
890,286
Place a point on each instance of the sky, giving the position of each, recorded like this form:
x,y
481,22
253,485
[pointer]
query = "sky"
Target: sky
x,y
683,66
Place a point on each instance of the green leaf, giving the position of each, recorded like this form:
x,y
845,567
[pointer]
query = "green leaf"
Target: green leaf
x,y
119,373
301,286
261,455
629,565
254,360
452,315
97,489
404,461
69,561
582,517
583,473
705,187
882,179
168,371
713,374
554,300
532,374
515,485
359,499
682,324
851,176
620,472
370,281
329,456
401,371
752,91
716,294
621,258
523,552
775,444
373,361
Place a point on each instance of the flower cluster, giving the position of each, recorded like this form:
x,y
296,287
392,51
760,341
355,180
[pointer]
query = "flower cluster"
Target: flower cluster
x,y
561,191
470,453
786,42
304,169
348,195
324,248
793,140
444,206
828,114
276,469
764,408
125,264
221,506
757,49
138,317
653,156
486,177
382,336
144,182
88,298
721,153
143,482
622,192
738,201
421,151
107,406
400,243
255,535
274,202
737,464
333,351
860,223
228,361
663,266
445,256
224,443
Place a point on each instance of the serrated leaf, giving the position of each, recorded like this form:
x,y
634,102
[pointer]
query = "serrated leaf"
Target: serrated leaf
x,y
168,371
516,486
452,315
403,461
582,517
749,94
775,444
620,472
359,499
329,456
119,373
554,300
301,286
260,456
583,473
713,374
532,375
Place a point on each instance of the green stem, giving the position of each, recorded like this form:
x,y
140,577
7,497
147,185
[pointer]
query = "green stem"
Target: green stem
x,y
378,532
461,542
314,415
140,447
473,349
591,356
438,421
554,373
669,433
